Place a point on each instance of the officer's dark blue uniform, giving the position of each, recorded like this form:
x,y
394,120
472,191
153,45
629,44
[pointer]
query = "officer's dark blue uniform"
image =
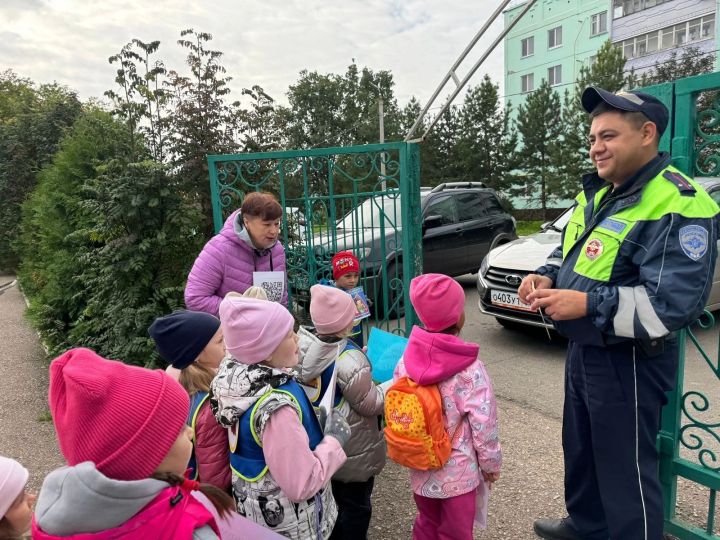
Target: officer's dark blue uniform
x,y
645,254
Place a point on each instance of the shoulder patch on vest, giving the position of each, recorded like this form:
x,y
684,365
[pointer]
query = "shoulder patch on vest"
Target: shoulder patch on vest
x,y
694,241
684,187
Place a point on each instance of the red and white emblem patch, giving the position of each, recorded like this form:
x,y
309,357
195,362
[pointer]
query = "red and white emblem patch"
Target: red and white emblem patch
x,y
593,249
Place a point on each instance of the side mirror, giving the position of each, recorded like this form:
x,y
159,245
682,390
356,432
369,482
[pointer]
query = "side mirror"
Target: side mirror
x,y
431,222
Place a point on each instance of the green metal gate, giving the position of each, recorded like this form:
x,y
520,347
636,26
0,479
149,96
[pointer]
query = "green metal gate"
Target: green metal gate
x,y
689,440
361,198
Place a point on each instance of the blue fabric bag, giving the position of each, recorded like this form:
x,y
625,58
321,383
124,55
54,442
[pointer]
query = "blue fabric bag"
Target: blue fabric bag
x,y
384,351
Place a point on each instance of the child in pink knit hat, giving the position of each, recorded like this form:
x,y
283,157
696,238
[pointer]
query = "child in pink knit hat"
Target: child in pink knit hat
x,y
454,497
16,504
122,431
328,348
282,456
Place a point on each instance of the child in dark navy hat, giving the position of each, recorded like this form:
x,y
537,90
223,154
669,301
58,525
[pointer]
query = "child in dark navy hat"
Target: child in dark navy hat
x,y
192,343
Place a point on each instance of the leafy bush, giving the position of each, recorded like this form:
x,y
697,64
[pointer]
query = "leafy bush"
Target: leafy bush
x,y
31,124
106,244
55,227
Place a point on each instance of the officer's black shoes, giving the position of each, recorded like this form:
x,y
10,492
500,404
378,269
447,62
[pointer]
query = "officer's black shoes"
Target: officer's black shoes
x,y
555,529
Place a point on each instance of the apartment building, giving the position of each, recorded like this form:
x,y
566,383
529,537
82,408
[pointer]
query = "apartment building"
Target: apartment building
x,y
649,31
552,41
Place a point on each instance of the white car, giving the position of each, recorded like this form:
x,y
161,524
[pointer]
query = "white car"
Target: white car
x,y
504,267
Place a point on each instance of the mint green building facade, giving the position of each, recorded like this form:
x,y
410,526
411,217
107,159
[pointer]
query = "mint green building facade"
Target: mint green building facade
x,y
552,41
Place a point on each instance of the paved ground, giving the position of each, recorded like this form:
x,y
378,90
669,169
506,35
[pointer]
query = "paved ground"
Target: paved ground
x,y
527,375
26,432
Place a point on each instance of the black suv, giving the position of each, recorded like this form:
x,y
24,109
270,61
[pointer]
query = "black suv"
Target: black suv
x,y
461,221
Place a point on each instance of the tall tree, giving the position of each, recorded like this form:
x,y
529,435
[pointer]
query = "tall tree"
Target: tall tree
x,y
341,110
539,123
487,141
261,126
202,119
442,152
329,110
36,121
56,225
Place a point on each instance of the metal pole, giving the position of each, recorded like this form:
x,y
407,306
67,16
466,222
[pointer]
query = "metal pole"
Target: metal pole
x,y
451,73
381,122
382,140
476,66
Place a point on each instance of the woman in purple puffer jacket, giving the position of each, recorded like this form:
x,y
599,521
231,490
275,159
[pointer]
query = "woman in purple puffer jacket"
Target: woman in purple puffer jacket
x,y
247,243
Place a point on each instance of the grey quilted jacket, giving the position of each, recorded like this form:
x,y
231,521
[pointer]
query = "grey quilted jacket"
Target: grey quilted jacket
x,y
362,404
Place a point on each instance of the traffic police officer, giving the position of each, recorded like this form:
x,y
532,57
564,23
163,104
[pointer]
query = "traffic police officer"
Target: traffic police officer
x,y
636,264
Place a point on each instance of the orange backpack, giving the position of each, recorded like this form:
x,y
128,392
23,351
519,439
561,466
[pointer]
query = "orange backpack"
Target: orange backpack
x,y
415,430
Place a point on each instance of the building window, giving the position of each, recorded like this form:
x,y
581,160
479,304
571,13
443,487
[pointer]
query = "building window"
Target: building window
x,y
670,37
528,46
599,23
621,8
527,83
555,75
555,37
592,61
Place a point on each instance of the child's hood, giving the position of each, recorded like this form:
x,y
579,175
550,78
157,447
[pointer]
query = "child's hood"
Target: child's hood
x,y
315,354
431,358
81,499
237,387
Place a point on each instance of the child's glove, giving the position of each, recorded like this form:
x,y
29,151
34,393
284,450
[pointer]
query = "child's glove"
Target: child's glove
x,y
335,426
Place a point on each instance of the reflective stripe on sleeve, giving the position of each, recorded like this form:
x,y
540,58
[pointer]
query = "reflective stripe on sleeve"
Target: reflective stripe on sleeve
x,y
625,316
632,301
646,313
554,262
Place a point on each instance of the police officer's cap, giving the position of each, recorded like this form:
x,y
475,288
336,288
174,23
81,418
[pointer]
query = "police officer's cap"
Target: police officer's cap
x,y
640,102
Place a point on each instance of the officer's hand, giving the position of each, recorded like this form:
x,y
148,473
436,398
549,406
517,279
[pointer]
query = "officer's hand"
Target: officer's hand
x,y
526,286
559,304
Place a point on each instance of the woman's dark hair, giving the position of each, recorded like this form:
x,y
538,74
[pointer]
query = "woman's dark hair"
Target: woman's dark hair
x,y
262,205
222,502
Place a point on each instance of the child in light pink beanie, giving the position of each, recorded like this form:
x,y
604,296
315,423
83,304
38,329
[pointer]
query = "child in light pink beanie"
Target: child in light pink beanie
x,y
329,348
16,504
282,456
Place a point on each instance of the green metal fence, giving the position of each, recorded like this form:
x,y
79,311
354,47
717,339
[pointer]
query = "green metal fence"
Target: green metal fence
x,y
361,198
689,440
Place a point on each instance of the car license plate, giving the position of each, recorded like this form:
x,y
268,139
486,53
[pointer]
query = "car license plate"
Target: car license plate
x,y
509,300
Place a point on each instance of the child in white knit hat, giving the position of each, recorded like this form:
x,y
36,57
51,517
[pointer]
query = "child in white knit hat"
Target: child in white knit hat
x,y
16,503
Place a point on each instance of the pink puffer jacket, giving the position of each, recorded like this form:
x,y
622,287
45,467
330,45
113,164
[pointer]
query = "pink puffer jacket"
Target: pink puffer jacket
x,y
470,411
173,515
226,264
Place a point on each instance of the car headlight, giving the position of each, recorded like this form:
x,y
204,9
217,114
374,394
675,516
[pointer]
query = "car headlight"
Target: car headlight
x,y
481,285
483,266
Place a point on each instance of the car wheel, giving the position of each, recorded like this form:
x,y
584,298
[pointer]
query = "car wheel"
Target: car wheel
x,y
396,306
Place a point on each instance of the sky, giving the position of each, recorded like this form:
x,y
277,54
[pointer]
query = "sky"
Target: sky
x,y
265,42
